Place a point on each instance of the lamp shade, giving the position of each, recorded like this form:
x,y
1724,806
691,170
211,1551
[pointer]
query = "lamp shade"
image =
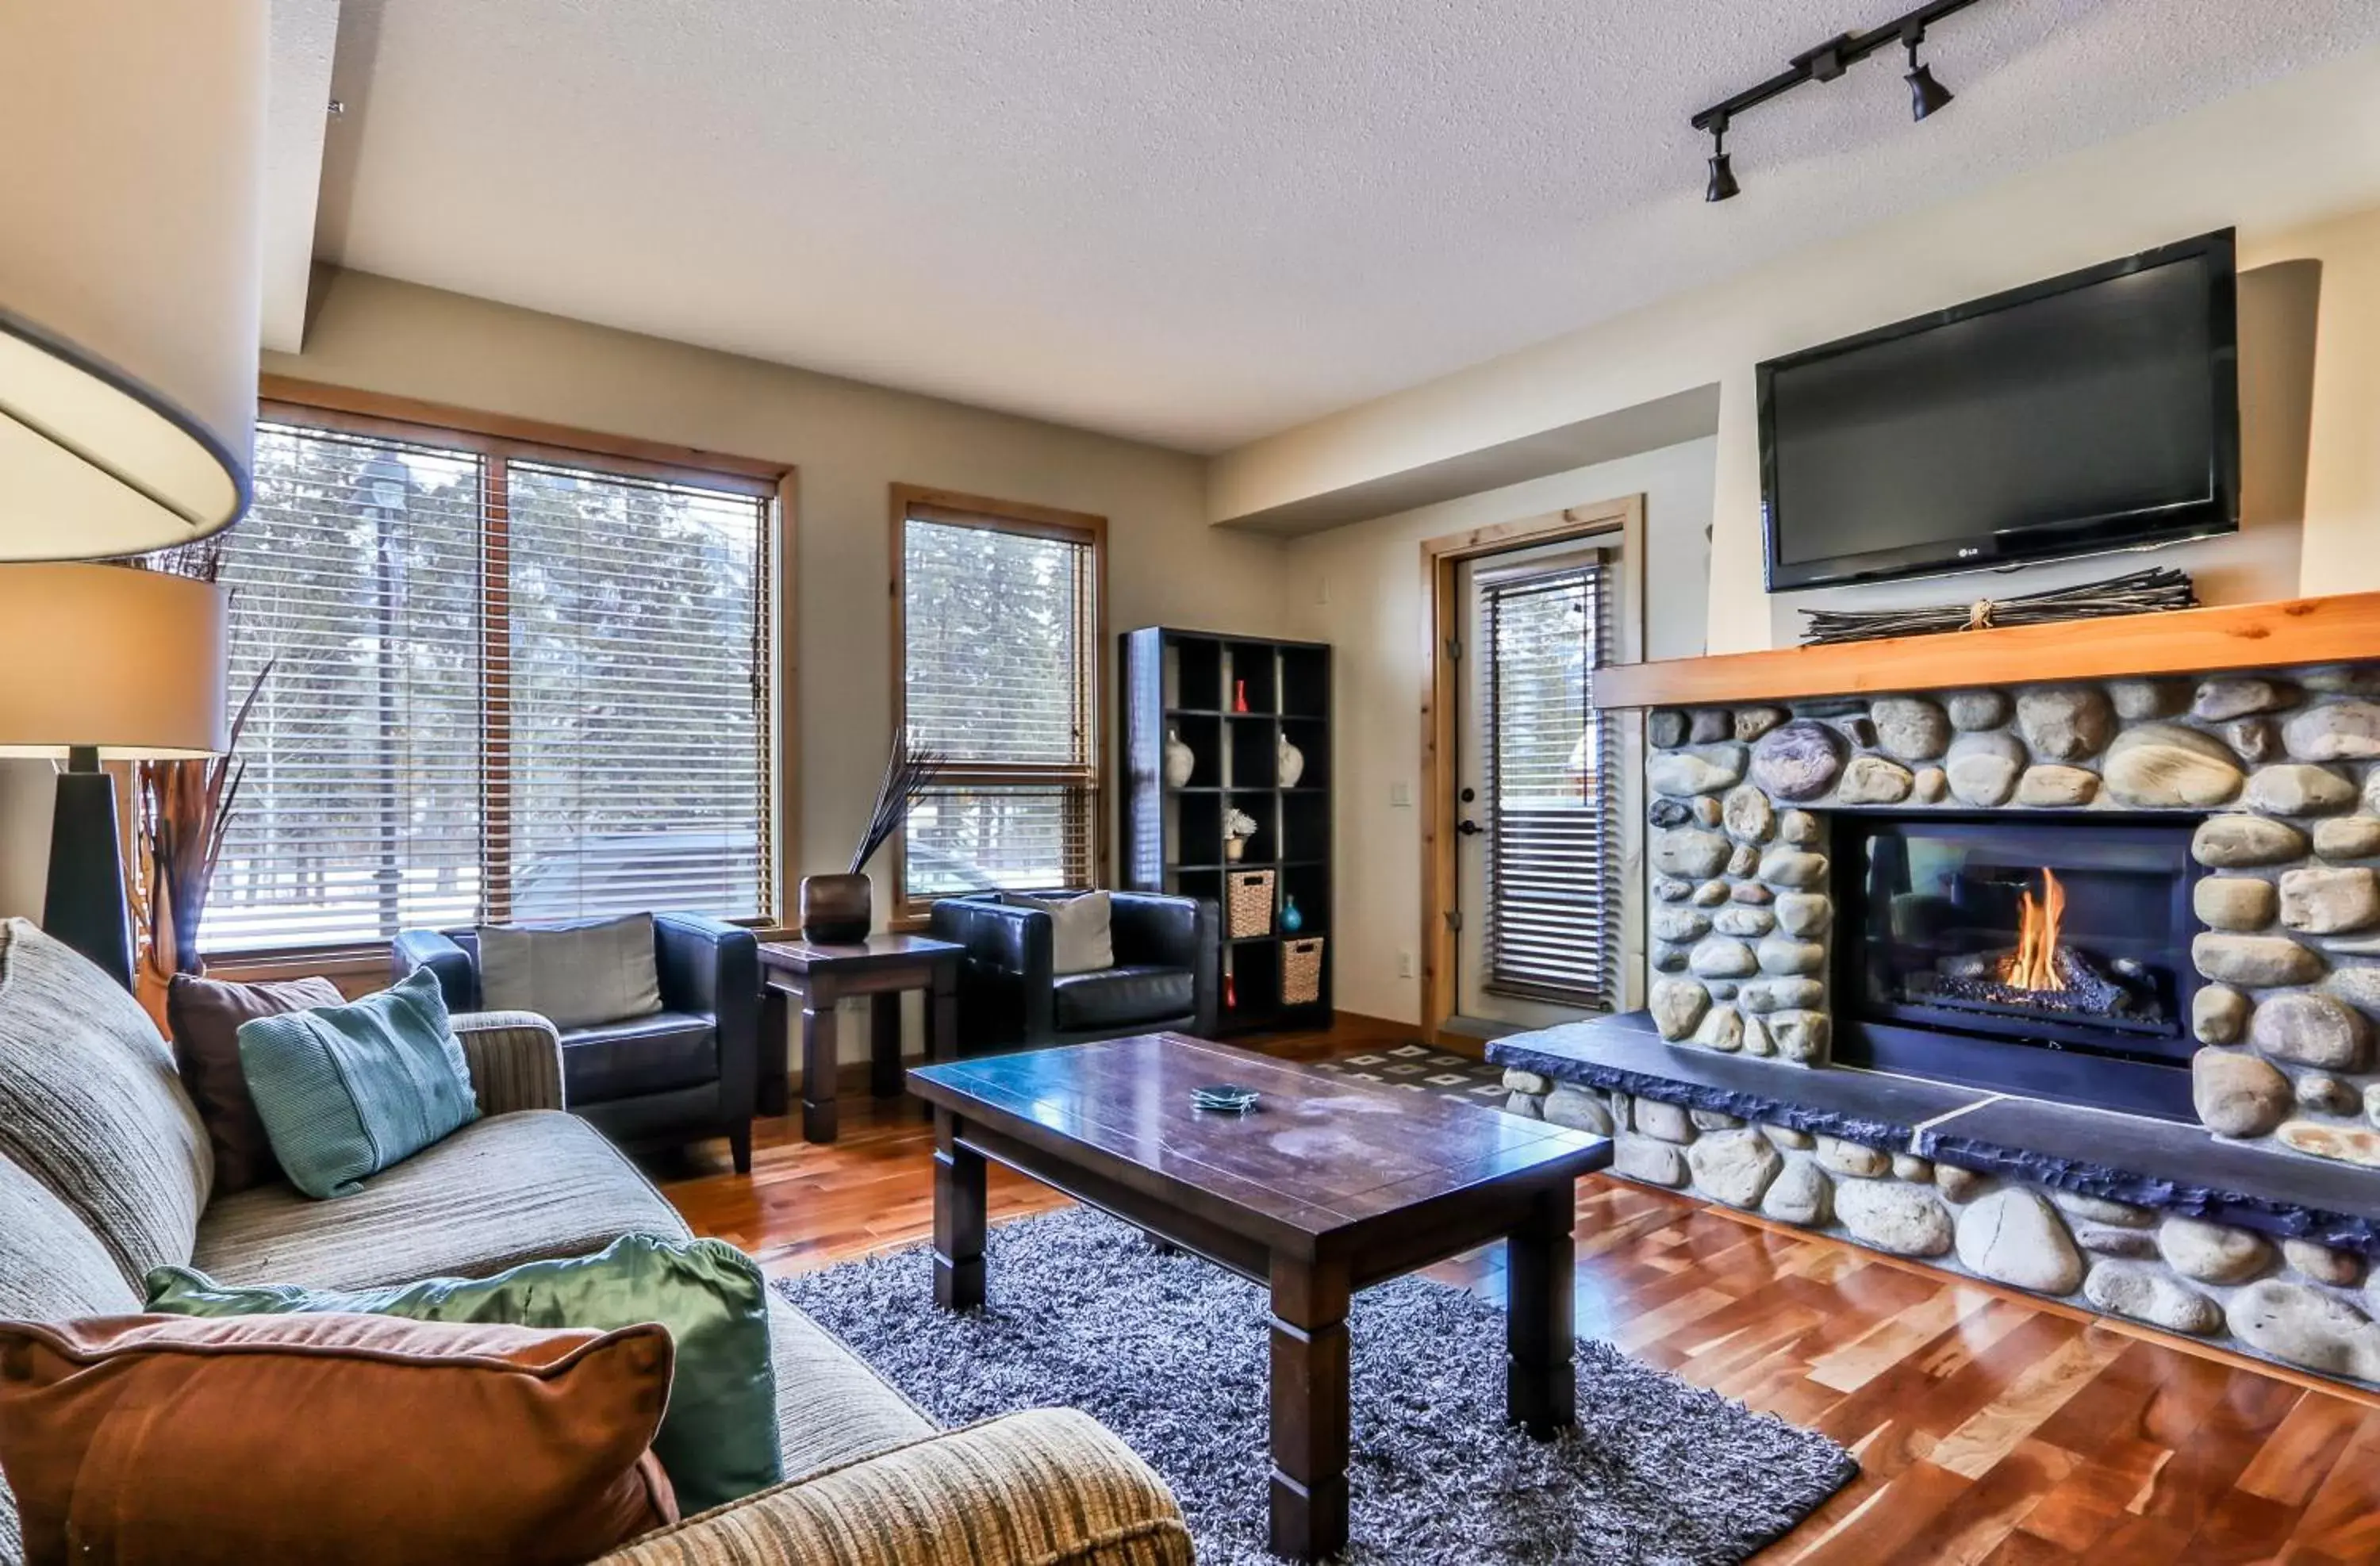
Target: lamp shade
x,y
128,268
128,661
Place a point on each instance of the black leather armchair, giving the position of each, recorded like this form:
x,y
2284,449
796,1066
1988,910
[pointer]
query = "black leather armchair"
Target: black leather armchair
x,y
1167,973
688,1071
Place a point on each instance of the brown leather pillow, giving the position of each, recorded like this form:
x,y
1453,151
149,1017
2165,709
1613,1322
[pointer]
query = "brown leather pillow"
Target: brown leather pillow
x,y
204,1015
366,1439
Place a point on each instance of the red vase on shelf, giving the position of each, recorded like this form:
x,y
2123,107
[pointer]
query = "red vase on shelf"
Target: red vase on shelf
x,y
1239,696
1231,995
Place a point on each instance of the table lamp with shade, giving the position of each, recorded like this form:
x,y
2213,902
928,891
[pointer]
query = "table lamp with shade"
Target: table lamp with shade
x,y
108,663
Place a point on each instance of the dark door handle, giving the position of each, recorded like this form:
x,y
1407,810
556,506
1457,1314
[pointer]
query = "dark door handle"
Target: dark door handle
x,y
1469,829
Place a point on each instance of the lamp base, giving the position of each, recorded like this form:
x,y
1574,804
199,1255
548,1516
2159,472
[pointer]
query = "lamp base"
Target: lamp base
x,y
85,905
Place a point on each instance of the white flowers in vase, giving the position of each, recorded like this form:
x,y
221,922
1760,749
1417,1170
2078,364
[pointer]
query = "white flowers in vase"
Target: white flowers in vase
x,y
1238,827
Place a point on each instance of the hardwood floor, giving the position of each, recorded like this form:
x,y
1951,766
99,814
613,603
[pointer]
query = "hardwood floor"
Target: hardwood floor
x,y
1991,1429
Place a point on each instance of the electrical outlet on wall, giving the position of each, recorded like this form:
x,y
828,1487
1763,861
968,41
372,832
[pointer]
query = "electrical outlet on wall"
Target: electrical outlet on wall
x,y
1401,795
1405,965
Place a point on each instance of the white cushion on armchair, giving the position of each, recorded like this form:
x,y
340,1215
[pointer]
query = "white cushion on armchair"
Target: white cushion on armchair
x,y
576,976
1082,937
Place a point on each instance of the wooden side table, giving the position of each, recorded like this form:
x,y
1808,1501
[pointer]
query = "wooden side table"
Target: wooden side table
x,y
816,976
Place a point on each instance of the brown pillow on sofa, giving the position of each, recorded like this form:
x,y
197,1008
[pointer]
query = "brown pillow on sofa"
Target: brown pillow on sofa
x,y
204,1015
367,1440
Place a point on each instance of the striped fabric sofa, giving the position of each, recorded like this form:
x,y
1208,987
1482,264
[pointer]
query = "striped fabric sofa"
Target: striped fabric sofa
x,y
104,1173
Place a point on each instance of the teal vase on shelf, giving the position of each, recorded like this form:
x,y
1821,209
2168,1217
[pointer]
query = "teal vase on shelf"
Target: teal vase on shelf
x,y
1291,919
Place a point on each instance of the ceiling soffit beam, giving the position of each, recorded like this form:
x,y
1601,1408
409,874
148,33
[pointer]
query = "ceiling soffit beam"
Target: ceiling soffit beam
x,y
1607,437
296,120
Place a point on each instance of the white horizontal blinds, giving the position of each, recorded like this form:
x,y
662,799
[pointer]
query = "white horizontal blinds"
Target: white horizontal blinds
x,y
1022,837
499,688
638,697
1000,628
1553,873
355,576
997,644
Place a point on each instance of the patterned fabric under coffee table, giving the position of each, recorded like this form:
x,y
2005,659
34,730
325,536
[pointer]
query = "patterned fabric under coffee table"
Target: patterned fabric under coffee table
x,y
1416,1066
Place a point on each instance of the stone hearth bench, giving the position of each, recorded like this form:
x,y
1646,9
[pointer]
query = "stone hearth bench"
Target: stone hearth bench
x,y
2259,1249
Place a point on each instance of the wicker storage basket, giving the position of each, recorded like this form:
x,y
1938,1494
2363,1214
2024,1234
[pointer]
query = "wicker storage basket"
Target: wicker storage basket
x,y
1301,972
1250,904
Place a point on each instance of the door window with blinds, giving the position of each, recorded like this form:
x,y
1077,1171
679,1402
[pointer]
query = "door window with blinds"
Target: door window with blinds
x,y
997,623
498,683
1551,766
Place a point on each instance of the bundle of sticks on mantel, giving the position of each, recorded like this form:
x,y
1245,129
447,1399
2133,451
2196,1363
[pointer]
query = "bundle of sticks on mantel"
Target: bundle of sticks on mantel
x,y
2142,592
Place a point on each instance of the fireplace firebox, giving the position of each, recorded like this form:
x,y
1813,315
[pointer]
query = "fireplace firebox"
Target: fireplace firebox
x,y
2041,954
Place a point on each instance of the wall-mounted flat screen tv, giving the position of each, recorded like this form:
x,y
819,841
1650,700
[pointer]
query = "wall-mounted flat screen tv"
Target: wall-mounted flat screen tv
x,y
2096,411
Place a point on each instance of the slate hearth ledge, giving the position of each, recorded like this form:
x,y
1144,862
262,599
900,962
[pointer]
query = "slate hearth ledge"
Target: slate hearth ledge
x,y
1624,1054
2132,1159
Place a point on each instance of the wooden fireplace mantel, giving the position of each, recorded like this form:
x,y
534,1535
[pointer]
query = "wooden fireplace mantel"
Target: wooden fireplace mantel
x,y
2336,629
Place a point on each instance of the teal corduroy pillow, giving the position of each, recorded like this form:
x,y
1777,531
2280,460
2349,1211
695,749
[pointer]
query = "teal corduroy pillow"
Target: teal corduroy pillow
x,y
719,1439
346,1091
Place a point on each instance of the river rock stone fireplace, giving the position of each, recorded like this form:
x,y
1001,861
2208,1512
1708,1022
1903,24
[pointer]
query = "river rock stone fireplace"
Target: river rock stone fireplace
x,y
2101,956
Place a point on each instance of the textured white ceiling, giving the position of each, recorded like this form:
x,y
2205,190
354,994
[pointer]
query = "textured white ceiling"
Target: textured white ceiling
x,y
1194,223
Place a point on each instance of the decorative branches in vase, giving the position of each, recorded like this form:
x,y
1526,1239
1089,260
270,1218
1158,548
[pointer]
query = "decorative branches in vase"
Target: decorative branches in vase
x,y
839,909
184,808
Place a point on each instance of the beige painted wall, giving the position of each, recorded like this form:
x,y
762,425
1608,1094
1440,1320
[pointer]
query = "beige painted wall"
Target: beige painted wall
x,y
1359,587
2282,163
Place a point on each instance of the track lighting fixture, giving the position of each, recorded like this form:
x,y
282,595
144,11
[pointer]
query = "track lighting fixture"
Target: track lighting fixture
x,y
1722,178
1925,94
1825,62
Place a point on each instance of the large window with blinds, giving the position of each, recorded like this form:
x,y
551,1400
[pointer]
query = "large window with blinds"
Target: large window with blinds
x,y
1551,770
997,623
495,682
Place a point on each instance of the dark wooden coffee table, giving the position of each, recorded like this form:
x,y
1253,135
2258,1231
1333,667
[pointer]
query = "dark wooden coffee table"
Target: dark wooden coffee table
x,y
1326,1187
814,977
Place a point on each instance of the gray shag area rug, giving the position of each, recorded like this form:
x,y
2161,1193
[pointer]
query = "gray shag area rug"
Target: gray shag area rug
x,y
1170,1353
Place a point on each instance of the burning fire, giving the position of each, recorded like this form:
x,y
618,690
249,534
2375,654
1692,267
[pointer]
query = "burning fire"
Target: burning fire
x,y
2034,966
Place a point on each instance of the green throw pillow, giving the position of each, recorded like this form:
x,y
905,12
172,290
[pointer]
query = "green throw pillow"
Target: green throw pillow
x,y
718,1440
346,1091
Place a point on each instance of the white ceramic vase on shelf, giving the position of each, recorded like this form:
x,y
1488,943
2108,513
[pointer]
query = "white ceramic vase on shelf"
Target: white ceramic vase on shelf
x,y
1292,763
1180,761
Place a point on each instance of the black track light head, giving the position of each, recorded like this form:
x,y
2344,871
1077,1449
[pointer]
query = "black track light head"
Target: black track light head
x,y
1721,184
1925,94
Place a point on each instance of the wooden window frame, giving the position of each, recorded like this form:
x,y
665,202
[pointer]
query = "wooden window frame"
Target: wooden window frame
x,y
1025,520
287,399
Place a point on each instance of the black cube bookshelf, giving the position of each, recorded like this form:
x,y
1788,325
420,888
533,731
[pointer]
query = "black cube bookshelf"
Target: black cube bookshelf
x,y
1193,682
